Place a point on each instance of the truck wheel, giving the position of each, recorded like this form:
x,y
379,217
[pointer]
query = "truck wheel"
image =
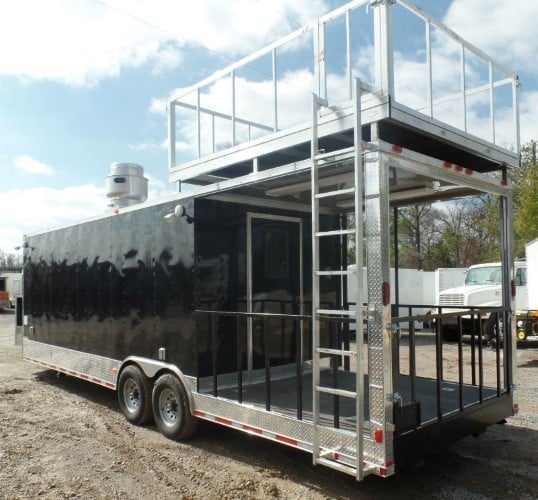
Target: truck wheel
x,y
171,408
449,333
134,395
490,330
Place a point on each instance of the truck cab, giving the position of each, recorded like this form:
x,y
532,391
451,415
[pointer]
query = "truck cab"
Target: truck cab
x,y
482,288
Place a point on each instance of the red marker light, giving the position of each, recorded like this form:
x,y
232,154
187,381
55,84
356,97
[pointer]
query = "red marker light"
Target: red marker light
x,y
378,436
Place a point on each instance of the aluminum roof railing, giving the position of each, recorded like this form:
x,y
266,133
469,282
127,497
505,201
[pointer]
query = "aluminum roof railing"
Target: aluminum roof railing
x,y
269,91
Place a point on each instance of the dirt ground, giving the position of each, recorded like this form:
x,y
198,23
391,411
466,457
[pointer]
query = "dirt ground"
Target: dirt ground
x,y
61,437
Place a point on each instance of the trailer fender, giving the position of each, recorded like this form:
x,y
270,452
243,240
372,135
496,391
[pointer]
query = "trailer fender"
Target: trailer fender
x,y
154,367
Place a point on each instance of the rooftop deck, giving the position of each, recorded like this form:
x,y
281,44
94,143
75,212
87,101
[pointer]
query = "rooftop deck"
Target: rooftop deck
x,y
431,93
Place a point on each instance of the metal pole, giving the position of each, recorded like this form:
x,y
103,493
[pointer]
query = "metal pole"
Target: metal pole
x,y
383,50
172,135
430,69
275,90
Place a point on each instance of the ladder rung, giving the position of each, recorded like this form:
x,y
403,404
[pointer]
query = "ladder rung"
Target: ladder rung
x,y
338,232
335,312
338,154
334,273
337,192
338,352
336,392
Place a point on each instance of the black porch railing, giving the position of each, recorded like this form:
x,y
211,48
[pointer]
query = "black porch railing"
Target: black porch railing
x,y
262,319
452,380
466,347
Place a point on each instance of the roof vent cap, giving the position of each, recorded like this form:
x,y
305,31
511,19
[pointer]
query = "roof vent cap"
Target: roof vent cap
x,y
126,185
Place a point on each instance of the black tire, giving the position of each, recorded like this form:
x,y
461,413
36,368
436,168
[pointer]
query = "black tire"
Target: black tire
x,y
490,329
449,333
171,408
134,395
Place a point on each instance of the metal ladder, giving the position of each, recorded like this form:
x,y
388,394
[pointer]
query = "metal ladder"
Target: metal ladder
x,y
321,454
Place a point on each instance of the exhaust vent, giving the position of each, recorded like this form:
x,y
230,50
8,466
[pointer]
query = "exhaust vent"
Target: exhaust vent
x,y
126,185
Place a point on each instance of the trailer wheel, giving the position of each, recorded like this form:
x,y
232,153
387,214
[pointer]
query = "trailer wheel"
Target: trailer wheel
x,y
134,395
171,408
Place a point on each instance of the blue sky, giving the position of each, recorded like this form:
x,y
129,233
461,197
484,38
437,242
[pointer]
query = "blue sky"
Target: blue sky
x,y
84,83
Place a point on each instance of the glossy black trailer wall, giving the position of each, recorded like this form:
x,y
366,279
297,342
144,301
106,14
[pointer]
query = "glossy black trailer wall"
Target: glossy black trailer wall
x,y
129,284
118,286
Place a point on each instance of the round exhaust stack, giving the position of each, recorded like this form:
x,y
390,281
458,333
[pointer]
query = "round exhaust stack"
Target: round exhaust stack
x,y
126,185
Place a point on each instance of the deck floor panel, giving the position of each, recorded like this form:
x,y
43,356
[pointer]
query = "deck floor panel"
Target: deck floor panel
x,y
283,396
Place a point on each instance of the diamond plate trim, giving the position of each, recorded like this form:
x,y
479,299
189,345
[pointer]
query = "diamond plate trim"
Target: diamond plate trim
x,y
97,369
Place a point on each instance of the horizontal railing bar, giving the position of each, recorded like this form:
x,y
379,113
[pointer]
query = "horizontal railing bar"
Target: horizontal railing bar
x,y
254,315
335,312
338,352
333,273
470,92
337,192
223,116
338,232
336,392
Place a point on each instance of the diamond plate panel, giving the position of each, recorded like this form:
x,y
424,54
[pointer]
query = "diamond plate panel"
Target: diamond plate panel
x,y
301,430
93,366
379,340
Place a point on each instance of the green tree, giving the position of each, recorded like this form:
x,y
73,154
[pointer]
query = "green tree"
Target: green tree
x,y
418,227
525,182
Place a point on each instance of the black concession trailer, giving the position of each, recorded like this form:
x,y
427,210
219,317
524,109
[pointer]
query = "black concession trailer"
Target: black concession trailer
x,y
229,302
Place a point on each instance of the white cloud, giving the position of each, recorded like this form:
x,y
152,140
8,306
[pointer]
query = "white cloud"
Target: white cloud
x,y
504,30
158,189
32,166
528,114
148,146
81,43
37,209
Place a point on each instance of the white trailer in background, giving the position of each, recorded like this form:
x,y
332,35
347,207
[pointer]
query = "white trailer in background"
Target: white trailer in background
x,y
527,296
10,289
415,287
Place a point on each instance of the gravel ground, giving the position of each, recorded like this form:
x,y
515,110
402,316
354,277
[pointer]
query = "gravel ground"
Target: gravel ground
x,y
61,437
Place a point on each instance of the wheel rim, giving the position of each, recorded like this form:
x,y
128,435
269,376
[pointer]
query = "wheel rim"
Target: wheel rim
x,y
131,396
168,407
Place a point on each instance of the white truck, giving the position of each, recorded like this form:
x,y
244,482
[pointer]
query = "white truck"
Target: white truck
x,y
482,288
527,303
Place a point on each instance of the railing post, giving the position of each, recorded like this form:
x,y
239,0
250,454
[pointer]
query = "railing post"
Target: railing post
x,y
239,360
383,50
267,358
214,324
172,135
